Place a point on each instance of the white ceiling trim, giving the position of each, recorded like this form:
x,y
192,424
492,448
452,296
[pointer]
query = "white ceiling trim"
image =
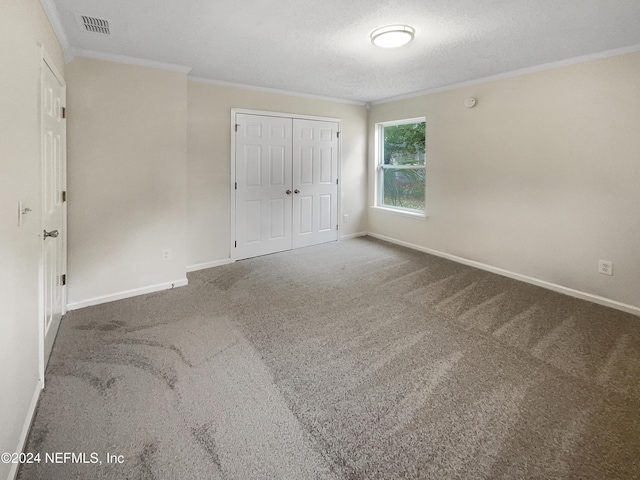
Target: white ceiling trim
x,y
485,44
274,90
515,73
54,18
141,62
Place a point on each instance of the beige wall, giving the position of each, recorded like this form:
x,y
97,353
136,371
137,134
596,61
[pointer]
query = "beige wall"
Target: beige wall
x,y
127,131
130,185
23,26
541,178
209,138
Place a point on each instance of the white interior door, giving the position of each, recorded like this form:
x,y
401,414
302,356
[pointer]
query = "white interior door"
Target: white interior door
x,y
263,185
53,142
315,182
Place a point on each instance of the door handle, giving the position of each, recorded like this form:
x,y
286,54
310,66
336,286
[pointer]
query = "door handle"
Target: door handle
x,y
288,192
52,233
296,191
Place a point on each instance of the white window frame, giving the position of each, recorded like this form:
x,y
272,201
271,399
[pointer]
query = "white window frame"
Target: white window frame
x,y
380,167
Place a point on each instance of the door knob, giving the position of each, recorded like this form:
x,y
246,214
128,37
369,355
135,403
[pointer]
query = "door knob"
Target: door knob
x,y
288,192
296,191
52,233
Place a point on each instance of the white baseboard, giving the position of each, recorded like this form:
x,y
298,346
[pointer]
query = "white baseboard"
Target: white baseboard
x,y
607,302
353,235
13,472
127,294
205,265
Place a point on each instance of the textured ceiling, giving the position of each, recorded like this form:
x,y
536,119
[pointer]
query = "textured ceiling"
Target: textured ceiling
x,y
322,47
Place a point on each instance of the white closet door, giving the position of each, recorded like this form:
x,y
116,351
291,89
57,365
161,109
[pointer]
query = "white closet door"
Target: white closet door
x,y
315,175
263,175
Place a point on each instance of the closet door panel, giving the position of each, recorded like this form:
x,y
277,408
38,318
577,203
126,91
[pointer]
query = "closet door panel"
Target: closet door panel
x,y
315,175
264,176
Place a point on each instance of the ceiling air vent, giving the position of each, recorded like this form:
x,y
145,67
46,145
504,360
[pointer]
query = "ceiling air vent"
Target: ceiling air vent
x,y
93,24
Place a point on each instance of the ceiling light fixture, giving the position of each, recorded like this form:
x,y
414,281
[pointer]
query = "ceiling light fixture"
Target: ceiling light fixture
x,y
392,36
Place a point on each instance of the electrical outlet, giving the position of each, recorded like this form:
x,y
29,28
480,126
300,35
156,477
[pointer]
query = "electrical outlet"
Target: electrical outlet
x,y
345,219
605,267
165,254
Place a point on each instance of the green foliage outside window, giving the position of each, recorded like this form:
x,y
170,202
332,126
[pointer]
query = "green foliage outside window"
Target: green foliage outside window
x,y
402,164
404,144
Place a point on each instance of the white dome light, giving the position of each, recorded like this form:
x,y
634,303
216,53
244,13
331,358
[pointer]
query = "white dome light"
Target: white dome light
x,y
392,36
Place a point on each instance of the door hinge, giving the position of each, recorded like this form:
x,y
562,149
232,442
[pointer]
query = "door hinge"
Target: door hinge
x,y
237,125
236,185
336,227
64,196
63,279
64,112
336,181
338,134
235,244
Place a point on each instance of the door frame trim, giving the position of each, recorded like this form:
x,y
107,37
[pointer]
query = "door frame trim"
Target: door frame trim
x,y
232,164
47,62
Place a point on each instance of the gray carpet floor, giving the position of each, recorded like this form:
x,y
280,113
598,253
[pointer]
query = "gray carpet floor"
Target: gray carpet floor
x,y
349,360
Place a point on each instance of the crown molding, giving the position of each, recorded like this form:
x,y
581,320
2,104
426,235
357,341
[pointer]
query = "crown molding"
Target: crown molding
x,y
514,73
70,52
141,62
274,90
51,11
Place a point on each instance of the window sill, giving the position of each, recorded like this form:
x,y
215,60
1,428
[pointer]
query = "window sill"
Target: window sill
x,y
401,213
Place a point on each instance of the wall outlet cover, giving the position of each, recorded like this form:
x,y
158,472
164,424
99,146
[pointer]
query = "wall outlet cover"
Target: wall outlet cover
x,y
605,267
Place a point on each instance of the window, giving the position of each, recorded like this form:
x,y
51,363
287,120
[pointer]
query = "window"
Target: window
x,y
401,165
